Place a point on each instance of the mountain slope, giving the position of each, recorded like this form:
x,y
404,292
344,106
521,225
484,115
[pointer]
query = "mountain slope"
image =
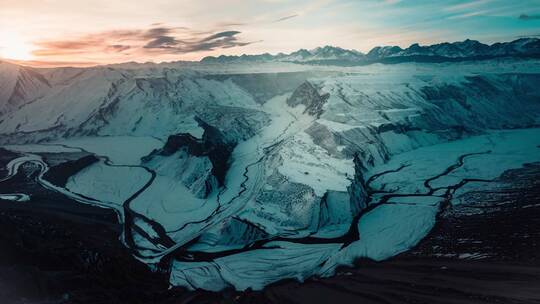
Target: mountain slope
x,y
19,85
240,179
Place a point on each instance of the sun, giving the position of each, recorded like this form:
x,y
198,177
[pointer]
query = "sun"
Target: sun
x,y
12,46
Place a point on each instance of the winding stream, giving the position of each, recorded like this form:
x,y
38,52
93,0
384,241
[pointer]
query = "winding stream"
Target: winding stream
x,y
128,217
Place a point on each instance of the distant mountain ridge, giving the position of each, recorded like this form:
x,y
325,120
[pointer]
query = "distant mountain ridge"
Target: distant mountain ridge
x,y
456,51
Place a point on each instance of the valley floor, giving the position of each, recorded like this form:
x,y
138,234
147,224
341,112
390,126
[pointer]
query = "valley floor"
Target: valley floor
x,y
482,250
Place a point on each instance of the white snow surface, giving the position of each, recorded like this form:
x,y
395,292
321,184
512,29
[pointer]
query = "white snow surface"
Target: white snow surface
x,y
121,150
108,184
290,174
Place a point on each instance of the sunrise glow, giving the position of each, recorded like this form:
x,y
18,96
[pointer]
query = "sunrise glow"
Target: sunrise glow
x,y
12,46
82,33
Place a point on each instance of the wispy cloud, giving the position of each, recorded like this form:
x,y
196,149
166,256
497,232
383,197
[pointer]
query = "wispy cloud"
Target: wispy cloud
x,y
228,24
171,44
470,14
466,5
286,18
160,39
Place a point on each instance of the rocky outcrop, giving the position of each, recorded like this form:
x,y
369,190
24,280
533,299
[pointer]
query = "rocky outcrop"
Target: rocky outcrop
x,y
306,94
203,162
357,190
59,174
213,145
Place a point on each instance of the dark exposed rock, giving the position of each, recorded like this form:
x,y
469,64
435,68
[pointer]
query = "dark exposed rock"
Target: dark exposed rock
x,y
357,189
397,128
307,95
55,250
213,144
442,92
59,174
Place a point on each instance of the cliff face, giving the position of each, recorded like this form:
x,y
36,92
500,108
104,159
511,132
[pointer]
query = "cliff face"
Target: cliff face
x,y
203,162
357,190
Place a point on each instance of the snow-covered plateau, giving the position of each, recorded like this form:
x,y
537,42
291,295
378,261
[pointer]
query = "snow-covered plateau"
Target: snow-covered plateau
x,y
241,174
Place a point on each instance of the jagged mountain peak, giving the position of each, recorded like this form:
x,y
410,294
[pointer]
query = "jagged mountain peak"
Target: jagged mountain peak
x,y
383,51
464,50
333,52
331,48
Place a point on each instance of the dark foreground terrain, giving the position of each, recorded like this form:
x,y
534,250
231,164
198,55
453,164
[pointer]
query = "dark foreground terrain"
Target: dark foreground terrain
x,y
486,250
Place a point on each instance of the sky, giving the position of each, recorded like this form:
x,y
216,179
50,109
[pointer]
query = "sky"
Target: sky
x,y
81,33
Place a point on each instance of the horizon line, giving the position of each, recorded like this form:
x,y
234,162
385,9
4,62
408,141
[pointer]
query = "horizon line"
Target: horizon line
x,y
44,64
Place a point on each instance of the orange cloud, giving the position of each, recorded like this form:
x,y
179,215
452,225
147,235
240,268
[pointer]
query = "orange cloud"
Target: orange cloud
x,y
158,39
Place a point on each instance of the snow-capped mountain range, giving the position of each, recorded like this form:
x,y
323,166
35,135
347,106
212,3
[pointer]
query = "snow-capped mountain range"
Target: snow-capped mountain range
x,y
468,49
246,173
